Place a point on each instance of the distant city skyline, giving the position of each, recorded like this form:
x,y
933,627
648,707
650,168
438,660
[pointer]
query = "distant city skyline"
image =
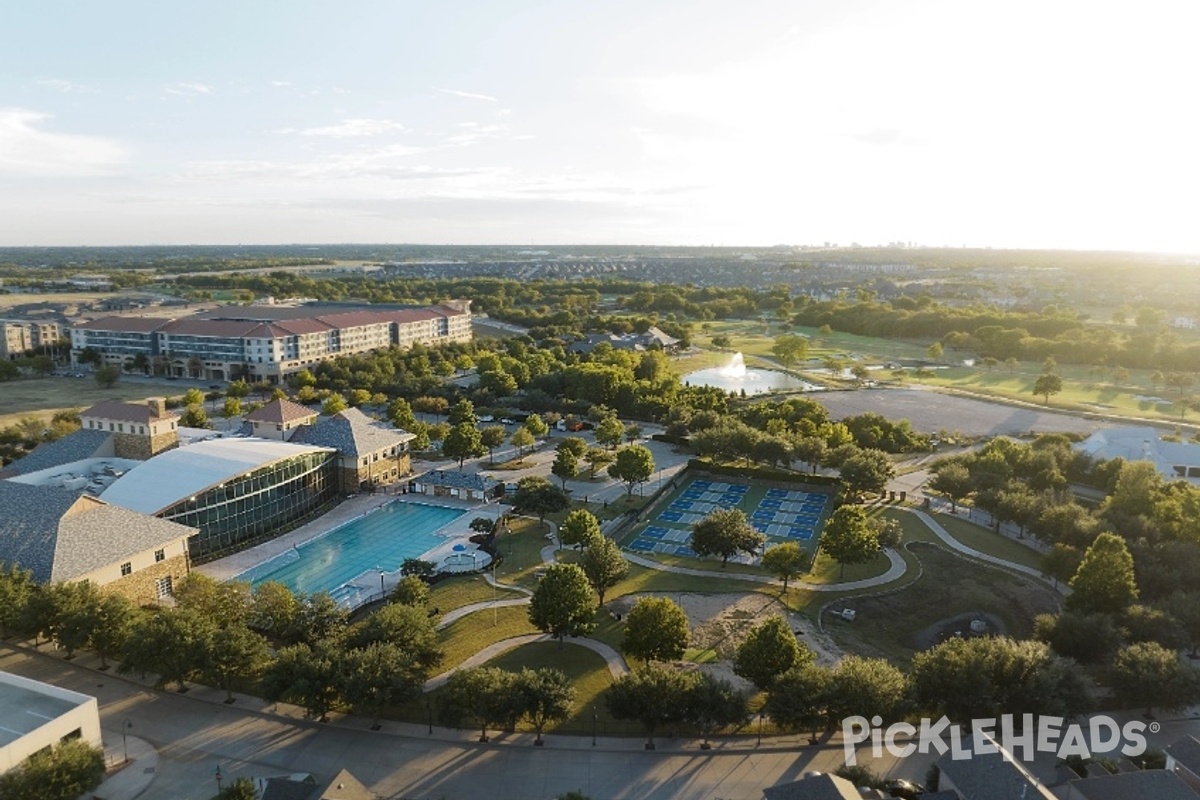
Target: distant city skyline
x,y
1064,125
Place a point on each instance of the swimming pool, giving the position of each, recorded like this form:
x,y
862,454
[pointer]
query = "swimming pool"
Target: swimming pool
x,y
382,539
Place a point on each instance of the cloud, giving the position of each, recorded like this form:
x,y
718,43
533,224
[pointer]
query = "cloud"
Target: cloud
x,y
888,136
353,128
186,89
281,84
65,86
26,149
469,95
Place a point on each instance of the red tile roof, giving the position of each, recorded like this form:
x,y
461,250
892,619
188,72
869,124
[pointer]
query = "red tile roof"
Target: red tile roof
x,y
281,411
124,324
126,412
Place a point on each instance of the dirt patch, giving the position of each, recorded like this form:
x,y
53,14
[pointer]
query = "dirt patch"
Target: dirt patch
x,y
721,622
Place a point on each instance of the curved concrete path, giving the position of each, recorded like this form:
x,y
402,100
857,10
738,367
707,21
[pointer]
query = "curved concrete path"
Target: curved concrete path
x,y
616,662
895,571
959,547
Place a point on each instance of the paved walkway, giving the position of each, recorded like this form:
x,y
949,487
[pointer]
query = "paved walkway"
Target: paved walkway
x,y
894,572
959,547
137,762
616,662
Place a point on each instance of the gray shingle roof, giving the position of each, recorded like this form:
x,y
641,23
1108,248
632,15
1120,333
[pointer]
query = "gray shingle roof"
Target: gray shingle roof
x,y
990,776
1156,783
280,411
59,535
75,446
351,432
457,480
814,787
129,412
1187,752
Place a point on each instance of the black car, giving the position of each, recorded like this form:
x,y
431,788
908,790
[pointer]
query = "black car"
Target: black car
x,y
903,789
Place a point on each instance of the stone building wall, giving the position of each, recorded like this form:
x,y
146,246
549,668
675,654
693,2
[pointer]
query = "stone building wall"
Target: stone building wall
x,y
139,587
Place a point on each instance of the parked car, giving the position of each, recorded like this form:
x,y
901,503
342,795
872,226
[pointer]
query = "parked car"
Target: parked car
x,y
907,790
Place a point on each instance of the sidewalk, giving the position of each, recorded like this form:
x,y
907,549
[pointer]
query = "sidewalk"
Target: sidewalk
x,y
132,777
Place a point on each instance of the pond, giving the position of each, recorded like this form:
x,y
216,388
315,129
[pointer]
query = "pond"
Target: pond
x,y
737,377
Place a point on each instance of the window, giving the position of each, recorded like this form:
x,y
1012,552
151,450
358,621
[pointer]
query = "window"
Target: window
x,y
159,555
163,588
126,569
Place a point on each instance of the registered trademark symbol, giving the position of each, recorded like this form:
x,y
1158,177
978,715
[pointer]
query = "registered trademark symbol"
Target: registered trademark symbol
x,y
1155,727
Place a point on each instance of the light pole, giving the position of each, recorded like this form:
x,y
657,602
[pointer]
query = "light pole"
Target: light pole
x,y
382,593
125,726
494,621
759,729
593,726
219,776
429,716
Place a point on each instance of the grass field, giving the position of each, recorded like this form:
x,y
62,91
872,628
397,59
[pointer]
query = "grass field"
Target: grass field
x,y
12,300
41,397
987,541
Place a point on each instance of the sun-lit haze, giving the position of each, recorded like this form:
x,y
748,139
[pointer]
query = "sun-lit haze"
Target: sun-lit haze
x,y
695,122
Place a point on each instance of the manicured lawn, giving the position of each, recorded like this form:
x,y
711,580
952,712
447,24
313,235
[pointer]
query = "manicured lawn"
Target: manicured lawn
x,y
888,625
467,636
587,670
455,593
986,541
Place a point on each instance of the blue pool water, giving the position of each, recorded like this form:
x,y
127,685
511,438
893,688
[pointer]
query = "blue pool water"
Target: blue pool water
x,y
382,539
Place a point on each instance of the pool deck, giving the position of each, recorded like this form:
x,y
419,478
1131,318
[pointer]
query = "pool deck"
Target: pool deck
x,y
358,506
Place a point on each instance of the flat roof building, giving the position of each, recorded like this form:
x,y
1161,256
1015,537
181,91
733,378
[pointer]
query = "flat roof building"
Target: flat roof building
x,y
36,715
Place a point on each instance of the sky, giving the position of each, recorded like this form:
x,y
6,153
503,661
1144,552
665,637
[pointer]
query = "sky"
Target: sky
x,y
1047,124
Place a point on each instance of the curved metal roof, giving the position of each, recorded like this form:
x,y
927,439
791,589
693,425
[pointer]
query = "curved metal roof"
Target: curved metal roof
x,y
184,472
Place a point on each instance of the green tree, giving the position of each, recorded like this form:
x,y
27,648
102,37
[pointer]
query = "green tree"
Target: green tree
x,y
107,376
563,604
986,677
72,613
656,629
240,789
868,687
194,417
462,442
711,703
724,533
193,397
305,675
273,610
935,351
798,698
169,642
596,458
868,470
790,348
231,408
521,439
536,495
849,537
604,566
401,415
16,587
463,413
786,561
411,591
235,653
408,627
1148,675
113,618
219,603
580,529
334,404
484,695
652,695
1047,385
545,695
576,446
565,466
491,437
1104,582
1087,638
609,432
952,479
378,675
65,771
536,426
770,650
418,567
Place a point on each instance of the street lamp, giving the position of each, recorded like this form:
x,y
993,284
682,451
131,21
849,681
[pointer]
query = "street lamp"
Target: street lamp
x,y
125,726
759,729
219,776
382,592
593,726
429,716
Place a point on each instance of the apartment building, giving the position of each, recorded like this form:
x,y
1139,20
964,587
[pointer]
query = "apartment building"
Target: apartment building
x,y
267,342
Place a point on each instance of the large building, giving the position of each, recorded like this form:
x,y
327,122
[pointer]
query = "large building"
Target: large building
x,y
267,343
37,715
18,337
1173,460
370,453
234,491
60,535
